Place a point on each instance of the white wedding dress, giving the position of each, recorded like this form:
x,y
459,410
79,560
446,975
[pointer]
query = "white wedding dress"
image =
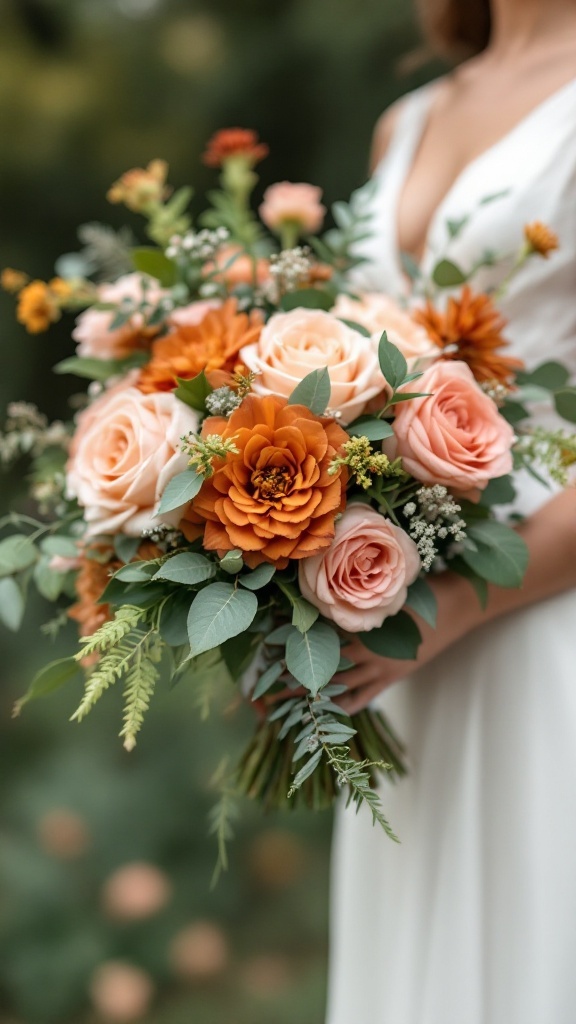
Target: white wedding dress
x,y
472,918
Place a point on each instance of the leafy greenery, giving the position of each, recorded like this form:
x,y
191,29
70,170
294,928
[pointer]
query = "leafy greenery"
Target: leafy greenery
x,y
219,612
313,392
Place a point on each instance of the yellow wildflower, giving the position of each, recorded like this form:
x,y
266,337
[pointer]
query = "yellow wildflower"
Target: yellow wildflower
x,y
37,307
140,187
13,280
540,239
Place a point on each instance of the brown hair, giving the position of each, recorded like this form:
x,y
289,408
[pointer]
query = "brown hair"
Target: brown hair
x,y
456,28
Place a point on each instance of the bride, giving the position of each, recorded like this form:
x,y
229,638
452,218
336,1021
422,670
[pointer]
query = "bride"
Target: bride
x,y
472,919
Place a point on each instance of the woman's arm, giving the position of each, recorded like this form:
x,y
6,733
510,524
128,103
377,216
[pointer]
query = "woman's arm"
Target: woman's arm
x,y
551,538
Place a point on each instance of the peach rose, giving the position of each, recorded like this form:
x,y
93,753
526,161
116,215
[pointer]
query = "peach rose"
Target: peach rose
x,y
92,331
293,344
126,449
456,437
233,266
377,313
190,316
293,203
363,577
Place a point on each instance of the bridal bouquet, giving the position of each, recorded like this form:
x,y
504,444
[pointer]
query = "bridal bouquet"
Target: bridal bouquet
x,y
266,461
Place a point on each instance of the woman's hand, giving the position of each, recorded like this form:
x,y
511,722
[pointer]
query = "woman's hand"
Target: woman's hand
x,y
458,613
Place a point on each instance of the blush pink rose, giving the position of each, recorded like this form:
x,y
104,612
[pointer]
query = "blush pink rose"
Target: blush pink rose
x,y
233,266
294,203
189,316
377,313
92,331
456,437
126,449
293,344
363,577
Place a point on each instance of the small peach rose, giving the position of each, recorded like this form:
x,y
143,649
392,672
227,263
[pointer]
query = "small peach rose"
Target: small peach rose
x,y
126,449
456,437
364,575
293,203
190,316
136,891
293,344
232,266
377,313
92,332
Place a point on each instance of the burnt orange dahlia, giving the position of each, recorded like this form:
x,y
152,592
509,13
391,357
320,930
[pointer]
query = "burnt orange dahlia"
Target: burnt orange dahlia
x,y
212,344
275,499
232,142
470,330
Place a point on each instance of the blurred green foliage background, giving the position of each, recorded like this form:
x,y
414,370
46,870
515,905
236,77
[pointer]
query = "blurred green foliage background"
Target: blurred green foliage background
x,y
106,912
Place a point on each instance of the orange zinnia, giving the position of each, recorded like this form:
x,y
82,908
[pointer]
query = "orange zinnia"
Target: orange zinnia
x,y
471,330
213,344
276,498
233,142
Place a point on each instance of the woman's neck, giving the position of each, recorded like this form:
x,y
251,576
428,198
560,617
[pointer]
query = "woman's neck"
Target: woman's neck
x,y
517,25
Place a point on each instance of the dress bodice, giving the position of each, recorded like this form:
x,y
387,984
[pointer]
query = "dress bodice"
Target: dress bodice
x,y
533,171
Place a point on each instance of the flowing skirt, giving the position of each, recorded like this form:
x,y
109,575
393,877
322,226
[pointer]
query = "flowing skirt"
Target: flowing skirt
x,y
472,918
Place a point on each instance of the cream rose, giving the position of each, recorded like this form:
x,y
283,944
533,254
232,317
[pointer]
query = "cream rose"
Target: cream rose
x,y
293,344
456,437
293,203
377,313
126,449
363,577
92,331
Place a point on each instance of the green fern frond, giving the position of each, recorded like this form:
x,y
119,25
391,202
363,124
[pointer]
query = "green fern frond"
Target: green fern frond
x,y
140,683
111,633
221,817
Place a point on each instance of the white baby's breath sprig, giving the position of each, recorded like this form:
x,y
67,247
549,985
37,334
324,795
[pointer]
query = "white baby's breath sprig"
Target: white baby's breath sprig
x,y
434,515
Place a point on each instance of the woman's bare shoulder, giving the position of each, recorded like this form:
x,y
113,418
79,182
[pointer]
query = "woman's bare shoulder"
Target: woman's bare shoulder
x,y
383,132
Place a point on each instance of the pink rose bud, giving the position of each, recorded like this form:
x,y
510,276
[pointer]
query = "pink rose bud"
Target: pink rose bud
x,y
363,577
288,202
456,437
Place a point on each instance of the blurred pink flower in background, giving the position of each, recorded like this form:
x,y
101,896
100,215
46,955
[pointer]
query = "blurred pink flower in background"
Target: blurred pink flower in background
x,y
63,834
121,992
136,891
378,313
293,203
199,951
92,332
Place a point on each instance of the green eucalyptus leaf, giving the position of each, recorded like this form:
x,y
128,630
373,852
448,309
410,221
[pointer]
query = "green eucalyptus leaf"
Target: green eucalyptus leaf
x,y
188,568
500,491
238,653
49,583
232,562
136,572
307,770
126,547
447,274
259,577
219,612
267,679
279,636
16,553
65,547
356,327
397,637
49,679
173,625
313,657
565,402
422,600
11,604
549,375
373,429
392,363
307,298
194,392
156,264
501,556
180,489
313,392
99,369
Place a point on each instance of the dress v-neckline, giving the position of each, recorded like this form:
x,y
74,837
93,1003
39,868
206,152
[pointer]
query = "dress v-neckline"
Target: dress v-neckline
x,y
425,98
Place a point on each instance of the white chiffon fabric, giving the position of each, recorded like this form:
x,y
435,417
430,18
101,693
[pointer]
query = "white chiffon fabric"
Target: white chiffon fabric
x,y
472,919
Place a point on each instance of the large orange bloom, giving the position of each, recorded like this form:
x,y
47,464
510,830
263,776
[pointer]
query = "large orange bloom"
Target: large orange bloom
x,y
275,499
212,344
471,331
